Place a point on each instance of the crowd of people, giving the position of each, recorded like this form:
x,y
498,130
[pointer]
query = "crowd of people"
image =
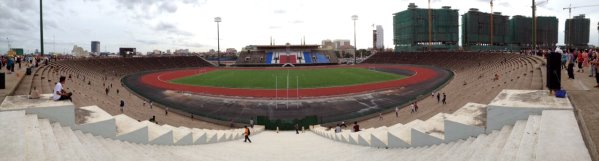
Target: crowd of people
x,y
581,60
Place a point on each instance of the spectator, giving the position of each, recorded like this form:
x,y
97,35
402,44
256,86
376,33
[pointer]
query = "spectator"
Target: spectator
x,y
122,105
356,127
596,63
153,119
444,99
337,129
246,134
397,111
571,61
59,93
166,112
296,128
416,105
252,123
438,97
592,57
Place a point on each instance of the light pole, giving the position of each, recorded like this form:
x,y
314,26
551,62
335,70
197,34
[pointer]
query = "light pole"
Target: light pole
x,y
355,17
41,30
218,20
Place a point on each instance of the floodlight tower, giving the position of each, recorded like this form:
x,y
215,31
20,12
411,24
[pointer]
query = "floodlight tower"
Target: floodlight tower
x,y
218,20
41,30
355,17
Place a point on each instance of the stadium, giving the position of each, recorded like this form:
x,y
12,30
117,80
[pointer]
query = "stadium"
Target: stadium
x,y
424,100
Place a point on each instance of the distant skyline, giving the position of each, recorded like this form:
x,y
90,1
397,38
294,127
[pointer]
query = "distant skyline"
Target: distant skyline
x,y
189,24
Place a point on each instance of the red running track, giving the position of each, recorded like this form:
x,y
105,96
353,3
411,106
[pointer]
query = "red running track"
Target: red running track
x,y
160,80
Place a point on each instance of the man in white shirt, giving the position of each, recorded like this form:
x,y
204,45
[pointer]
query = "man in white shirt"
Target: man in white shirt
x,y
59,93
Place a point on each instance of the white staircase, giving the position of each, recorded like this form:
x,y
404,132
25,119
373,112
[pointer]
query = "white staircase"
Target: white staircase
x,y
470,120
99,122
540,137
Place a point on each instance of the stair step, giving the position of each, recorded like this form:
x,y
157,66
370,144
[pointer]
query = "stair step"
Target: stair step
x,y
68,151
560,137
529,140
34,146
491,151
51,149
510,149
89,144
13,144
76,144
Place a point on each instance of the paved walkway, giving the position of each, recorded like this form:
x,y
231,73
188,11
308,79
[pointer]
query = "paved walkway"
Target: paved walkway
x,y
586,101
12,80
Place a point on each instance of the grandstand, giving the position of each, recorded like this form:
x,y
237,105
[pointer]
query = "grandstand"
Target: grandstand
x,y
277,55
481,121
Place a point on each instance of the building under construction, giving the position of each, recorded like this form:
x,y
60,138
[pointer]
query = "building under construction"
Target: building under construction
x,y
478,34
577,32
520,32
411,29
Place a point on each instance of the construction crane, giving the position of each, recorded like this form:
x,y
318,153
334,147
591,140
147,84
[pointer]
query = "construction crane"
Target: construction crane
x,y
534,23
575,7
570,16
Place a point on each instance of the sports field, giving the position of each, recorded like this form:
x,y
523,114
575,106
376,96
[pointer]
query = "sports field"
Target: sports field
x,y
305,78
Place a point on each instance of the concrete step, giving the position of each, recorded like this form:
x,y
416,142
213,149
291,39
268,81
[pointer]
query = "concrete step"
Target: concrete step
x,y
68,152
491,151
129,129
181,135
199,136
443,150
13,144
510,149
51,149
430,132
97,152
529,140
76,144
467,121
480,143
560,137
158,134
118,152
34,149
404,133
456,149
98,122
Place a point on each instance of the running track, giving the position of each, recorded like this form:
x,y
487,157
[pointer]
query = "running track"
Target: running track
x,y
160,80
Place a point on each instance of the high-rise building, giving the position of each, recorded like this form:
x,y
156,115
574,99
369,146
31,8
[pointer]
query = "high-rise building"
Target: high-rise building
x,y
79,52
341,43
577,31
414,31
95,46
380,43
328,44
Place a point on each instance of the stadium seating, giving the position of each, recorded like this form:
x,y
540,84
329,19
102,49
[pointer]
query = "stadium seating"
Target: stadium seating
x,y
320,58
285,57
307,58
546,134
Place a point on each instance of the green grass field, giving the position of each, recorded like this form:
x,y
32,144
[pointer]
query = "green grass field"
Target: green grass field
x,y
308,78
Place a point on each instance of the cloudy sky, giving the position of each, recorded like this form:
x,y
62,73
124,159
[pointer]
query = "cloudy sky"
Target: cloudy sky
x,y
189,24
